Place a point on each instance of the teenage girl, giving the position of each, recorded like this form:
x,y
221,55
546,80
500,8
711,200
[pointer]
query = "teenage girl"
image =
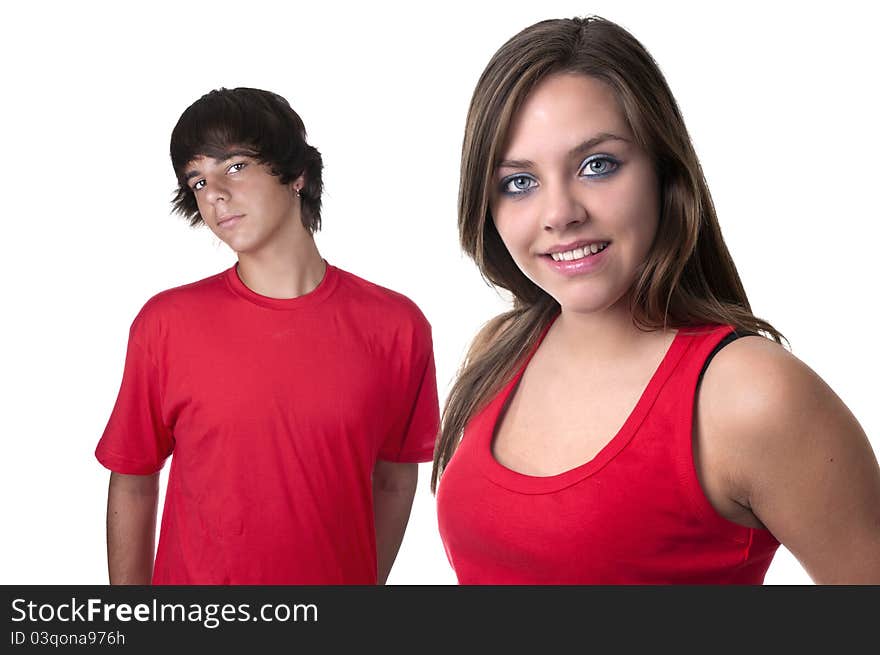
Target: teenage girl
x,y
629,420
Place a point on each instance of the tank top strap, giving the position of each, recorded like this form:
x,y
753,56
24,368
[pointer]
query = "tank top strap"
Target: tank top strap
x,y
677,402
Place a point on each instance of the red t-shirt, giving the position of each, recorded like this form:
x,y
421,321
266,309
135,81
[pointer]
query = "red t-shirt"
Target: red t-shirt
x,y
276,411
634,514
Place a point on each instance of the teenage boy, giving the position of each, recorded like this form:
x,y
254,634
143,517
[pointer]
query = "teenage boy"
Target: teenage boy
x,y
296,398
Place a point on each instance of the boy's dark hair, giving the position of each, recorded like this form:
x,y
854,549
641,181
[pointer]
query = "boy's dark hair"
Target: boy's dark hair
x,y
254,119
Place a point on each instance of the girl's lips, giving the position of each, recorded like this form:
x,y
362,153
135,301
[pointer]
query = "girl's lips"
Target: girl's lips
x,y
580,266
565,247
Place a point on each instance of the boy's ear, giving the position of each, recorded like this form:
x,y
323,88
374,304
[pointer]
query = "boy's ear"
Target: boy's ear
x,y
298,184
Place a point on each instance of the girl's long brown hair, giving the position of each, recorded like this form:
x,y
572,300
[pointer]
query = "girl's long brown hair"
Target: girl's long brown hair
x,y
688,278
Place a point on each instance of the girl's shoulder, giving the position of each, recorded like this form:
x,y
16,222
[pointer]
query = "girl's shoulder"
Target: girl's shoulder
x,y
784,445
759,390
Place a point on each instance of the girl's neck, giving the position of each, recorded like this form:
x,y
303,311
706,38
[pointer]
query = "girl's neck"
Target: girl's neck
x,y
607,334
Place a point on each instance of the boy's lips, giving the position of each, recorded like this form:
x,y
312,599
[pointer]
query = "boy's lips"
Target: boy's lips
x,y
228,220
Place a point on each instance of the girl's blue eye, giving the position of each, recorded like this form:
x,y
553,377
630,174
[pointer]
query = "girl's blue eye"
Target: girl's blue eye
x,y
599,166
518,184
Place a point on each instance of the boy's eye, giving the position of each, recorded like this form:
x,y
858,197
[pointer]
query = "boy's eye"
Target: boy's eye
x,y
233,168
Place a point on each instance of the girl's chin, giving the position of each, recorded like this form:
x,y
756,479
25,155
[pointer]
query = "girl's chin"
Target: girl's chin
x,y
592,304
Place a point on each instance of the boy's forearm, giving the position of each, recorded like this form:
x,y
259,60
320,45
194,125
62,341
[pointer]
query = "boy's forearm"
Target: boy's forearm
x,y
132,504
394,486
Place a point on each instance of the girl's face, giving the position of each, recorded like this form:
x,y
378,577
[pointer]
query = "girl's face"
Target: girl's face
x,y
575,200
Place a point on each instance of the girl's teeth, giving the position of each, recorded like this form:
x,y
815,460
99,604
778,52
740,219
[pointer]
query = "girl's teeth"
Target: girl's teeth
x,y
579,253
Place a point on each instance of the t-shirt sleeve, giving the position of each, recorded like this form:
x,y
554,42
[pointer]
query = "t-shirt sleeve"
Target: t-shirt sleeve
x,y
136,441
415,410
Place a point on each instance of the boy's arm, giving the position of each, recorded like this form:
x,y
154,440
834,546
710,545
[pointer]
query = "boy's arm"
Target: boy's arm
x,y
394,485
132,503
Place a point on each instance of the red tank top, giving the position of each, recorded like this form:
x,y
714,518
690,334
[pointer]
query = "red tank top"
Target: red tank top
x,y
634,514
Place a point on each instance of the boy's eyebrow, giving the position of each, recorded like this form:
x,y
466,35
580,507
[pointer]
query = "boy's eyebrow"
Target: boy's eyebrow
x,y
579,149
224,157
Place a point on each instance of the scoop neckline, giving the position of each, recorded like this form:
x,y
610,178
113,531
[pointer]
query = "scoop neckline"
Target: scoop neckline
x,y
319,293
533,484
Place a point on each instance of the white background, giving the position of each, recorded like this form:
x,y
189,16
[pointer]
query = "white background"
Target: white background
x,y
779,99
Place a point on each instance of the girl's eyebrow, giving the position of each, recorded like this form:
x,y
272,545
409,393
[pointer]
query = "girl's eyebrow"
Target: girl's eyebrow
x,y
578,150
589,144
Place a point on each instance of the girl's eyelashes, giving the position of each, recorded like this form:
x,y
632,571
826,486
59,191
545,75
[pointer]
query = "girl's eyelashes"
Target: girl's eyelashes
x,y
593,167
518,184
598,166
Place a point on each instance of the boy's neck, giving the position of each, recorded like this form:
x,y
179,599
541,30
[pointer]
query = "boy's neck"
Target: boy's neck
x,y
283,272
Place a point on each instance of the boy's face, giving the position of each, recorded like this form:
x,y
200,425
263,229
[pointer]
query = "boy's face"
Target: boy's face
x,y
242,202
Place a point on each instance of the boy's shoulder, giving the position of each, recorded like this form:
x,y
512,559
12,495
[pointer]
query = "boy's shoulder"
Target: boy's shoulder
x,y
380,303
178,301
187,293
